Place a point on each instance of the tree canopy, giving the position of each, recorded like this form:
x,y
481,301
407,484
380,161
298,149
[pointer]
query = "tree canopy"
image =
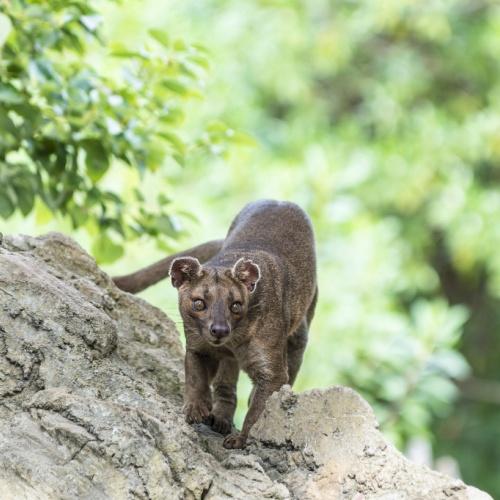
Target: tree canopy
x,y
71,107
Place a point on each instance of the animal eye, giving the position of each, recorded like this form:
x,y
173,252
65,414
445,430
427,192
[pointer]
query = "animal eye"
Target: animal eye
x,y
236,307
198,305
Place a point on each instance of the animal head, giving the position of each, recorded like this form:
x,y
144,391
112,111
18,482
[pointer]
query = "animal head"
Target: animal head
x,y
214,300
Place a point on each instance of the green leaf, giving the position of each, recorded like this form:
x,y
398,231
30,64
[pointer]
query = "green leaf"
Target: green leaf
x,y
164,246
106,250
188,70
188,215
163,200
164,225
160,36
240,138
119,50
200,60
175,86
180,159
78,215
6,206
180,45
175,141
5,28
25,197
171,115
139,195
97,158
6,124
10,95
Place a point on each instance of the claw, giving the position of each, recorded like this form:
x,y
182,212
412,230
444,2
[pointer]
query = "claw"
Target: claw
x,y
220,424
234,441
196,412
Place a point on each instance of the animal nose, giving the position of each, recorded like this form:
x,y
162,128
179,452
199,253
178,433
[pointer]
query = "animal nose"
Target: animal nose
x,y
219,330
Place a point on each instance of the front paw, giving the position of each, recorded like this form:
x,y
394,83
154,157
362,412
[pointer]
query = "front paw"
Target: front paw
x,y
196,411
220,424
234,441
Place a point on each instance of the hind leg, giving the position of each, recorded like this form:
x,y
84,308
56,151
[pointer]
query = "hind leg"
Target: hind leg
x,y
224,396
297,342
296,346
251,396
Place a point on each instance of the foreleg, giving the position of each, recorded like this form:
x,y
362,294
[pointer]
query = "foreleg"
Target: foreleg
x,y
224,393
197,396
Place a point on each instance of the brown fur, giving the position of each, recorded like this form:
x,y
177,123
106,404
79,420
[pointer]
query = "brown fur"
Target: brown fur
x,y
266,266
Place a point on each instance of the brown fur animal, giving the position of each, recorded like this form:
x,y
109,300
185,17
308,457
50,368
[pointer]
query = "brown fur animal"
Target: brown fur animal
x,y
248,306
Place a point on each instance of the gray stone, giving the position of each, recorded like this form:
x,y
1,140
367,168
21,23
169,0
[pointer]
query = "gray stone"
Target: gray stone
x,y
91,396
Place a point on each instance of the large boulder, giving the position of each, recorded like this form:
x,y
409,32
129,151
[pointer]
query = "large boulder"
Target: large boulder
x,y
91,395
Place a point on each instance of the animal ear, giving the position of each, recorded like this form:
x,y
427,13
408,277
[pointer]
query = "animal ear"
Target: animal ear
x,y
248,272
184,269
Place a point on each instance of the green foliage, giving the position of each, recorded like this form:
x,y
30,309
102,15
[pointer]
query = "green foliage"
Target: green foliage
x,y
67,118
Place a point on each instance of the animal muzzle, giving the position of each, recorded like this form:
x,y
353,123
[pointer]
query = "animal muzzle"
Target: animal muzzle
x,y
219,330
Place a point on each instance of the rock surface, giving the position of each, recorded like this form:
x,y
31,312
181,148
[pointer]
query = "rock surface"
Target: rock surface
x,y
91,396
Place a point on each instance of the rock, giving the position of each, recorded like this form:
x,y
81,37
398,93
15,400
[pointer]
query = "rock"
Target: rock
x,y
326,444
91,395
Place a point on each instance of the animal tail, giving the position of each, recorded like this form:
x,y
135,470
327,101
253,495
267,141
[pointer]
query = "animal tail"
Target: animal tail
x,y
144,278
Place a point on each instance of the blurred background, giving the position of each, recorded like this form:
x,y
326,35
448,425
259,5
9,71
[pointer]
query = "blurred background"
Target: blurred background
x,y
142,127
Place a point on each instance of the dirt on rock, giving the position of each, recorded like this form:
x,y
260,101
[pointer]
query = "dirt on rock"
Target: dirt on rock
x,y
91,395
